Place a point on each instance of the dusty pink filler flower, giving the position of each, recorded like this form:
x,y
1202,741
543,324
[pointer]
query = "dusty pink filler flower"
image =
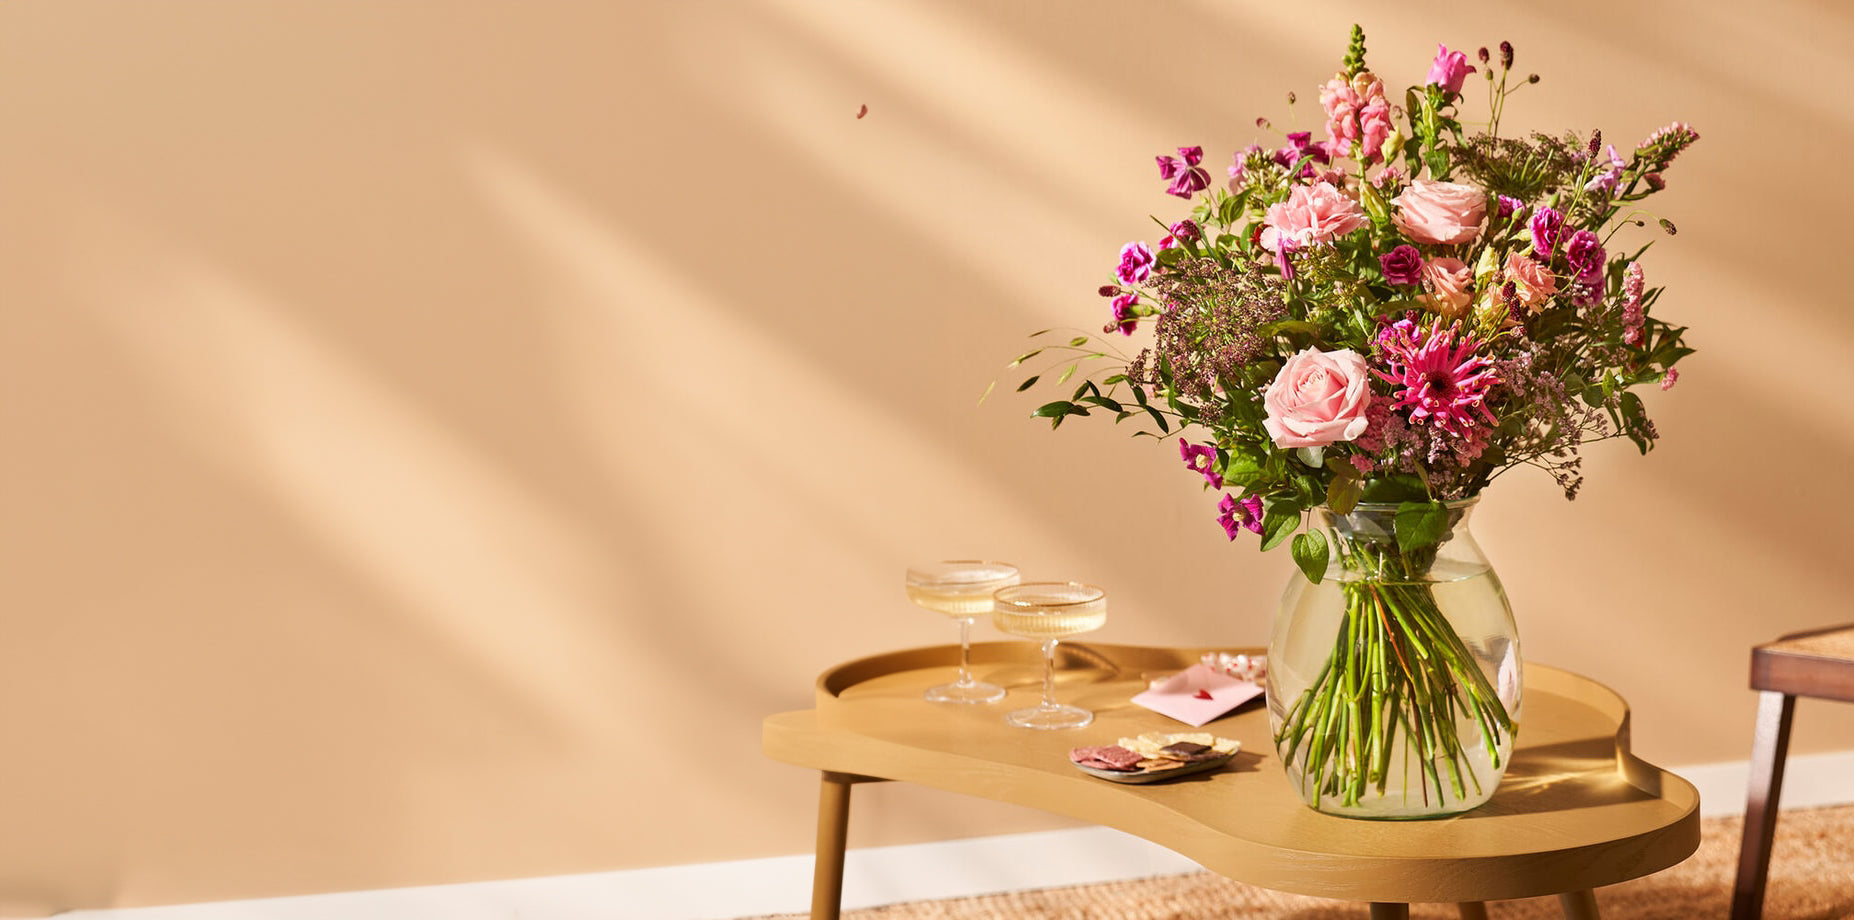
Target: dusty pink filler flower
x,y
1441,380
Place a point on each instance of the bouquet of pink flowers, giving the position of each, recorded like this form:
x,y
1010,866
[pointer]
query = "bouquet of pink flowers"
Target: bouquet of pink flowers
x,y
1393,314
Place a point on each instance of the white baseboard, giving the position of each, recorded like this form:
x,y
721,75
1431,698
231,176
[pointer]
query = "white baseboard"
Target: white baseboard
x,y
873,876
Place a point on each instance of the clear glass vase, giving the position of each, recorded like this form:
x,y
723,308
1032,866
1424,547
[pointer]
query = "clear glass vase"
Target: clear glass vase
x,y
1393,683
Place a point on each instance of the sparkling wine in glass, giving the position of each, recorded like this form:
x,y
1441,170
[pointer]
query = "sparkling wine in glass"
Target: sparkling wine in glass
x,y
1048,612
961,589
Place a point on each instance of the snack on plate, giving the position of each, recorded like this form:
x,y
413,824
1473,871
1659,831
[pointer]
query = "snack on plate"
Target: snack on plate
x,y
1107,757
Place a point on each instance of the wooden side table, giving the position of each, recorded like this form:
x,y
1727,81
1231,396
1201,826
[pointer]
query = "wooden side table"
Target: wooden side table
x,y
1576,811
1819,664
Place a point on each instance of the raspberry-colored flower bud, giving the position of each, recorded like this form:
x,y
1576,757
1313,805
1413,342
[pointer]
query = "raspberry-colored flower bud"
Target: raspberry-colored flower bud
x,y
1484,56
1108,290
1668,227
1506,55
1655,181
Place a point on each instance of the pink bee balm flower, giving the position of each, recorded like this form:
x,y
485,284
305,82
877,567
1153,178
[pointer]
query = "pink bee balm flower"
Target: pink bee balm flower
x,y
1440,212
1448,70
1442,382
1319,397
1316,213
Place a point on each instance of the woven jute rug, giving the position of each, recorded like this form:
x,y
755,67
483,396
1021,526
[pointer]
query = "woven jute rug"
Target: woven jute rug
x,y
1811,878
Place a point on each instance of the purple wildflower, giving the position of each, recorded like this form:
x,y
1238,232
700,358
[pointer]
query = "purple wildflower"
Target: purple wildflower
x,y
1441,379
1237,516
1510,206
1402,266
1187,177
1201,458
1135,263
1587,258
1547,229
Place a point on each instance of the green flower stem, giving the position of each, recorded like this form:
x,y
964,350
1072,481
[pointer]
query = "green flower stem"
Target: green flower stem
x,y
1397,671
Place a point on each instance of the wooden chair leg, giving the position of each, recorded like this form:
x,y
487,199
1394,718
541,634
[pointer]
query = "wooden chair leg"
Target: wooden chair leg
x,y
833,834
1472,910
1769,748
1383,911
1579,905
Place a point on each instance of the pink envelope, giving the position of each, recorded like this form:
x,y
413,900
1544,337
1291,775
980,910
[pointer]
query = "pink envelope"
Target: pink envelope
x,y
1197,695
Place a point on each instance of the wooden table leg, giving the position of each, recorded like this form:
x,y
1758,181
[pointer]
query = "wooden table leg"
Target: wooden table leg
x,y
1579,905
833,833
1768,746
1383,911
1472,910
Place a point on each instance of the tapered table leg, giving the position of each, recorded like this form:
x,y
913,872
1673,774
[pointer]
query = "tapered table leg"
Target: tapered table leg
x,y
833,833
1768,749
1472,910
1579,905
1383,911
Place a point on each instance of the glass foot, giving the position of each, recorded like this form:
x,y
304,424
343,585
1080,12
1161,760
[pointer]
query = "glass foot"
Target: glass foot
x,y
974,692
1050,717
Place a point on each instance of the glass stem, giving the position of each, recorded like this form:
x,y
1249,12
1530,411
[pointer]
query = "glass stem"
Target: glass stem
x,y
1049,673
965,652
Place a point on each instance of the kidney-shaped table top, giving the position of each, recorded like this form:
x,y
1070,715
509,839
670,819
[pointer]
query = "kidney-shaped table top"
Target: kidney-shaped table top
x,y
1576,809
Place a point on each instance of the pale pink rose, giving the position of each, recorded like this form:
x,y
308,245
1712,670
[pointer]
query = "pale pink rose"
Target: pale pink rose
x,y
1318,398
1440,212
1316,213
1449,284
1534,283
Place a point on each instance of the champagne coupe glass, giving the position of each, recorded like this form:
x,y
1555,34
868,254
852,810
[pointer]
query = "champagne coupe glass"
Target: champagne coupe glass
x,y
961,589
1049,611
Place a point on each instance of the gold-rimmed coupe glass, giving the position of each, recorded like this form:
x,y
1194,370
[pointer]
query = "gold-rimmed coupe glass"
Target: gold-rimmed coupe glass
x,y
1048,612
961,589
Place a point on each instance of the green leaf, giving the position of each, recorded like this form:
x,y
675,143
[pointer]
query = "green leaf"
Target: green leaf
x,y
1309,552
1420,524
1078,341
1067,373
1028,383
1343,493
1026,356
1280,518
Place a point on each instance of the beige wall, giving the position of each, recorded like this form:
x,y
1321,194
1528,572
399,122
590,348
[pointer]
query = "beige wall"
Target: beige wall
x,y
436,433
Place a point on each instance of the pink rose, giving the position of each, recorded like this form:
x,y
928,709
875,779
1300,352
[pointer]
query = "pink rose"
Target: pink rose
x,y
1533,282
1315,213
1317,399
1449,69
1450,286
1440,212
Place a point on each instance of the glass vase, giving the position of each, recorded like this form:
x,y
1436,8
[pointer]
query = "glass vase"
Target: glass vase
x,y
1394,682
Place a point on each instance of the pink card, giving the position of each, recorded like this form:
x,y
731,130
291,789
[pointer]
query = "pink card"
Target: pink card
x,y
1197,694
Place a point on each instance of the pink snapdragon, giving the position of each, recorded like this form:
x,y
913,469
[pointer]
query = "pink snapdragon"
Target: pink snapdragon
x,y
1312,214
1358,118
